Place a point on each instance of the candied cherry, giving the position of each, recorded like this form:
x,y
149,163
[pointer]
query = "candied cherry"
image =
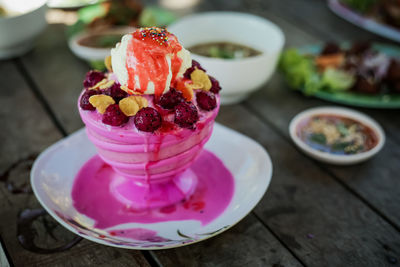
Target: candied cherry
x,y
147,120
195,65
215,87
92,78
84,102
206,100
115,92
186,114
170,99
114,116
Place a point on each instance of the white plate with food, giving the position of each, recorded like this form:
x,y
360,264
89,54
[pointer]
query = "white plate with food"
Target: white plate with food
x,y
53,174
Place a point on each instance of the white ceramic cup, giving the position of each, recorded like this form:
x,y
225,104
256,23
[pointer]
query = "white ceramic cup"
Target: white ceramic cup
x,y
237,77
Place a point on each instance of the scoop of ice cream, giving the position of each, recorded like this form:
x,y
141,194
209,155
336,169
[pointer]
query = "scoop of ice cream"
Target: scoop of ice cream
x,y
148,60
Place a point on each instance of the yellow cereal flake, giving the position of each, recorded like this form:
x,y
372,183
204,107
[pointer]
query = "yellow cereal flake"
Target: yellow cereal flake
x,y
101,102
194,86
129,91
107,84
132,104
199,77
107,63
142,102
103,84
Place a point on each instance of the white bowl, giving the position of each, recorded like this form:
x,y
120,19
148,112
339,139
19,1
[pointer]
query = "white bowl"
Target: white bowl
x,y
94,53
238,77
18,31
328,157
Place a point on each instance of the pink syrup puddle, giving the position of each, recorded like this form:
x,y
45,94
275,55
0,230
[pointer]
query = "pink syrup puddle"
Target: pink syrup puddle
x,y
92,197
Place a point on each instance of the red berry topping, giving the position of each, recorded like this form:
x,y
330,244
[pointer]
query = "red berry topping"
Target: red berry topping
x,y
195,65
116,92
113,116
206,100
186,114
170,99
215,87
92,78
147,120
84,102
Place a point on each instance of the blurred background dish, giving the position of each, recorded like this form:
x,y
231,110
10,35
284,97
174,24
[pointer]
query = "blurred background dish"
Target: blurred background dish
x,y
378,16
240,49
336,135
71,4
359,74
20,23
95,46
100,26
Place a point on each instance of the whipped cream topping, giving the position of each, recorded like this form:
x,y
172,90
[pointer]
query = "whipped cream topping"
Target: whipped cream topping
x,y
149,60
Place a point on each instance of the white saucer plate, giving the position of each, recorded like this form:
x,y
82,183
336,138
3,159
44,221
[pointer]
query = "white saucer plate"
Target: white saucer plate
x,y
53,173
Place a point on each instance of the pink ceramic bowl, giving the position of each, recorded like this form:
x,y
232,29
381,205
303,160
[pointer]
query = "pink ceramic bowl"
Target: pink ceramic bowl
x,y
150,165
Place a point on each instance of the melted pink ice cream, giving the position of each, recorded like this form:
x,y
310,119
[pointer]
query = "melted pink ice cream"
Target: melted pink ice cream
x,y
92,197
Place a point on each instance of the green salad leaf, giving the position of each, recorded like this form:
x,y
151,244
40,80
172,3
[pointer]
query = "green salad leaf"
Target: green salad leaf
x,y
302,74
300,71
337,80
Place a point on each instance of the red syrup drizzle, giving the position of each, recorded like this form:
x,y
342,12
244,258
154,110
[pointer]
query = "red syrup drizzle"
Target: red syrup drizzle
x,y
92,197
149,47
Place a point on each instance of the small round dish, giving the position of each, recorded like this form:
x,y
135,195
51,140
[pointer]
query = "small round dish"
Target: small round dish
x,y
238,77
92,53
344,113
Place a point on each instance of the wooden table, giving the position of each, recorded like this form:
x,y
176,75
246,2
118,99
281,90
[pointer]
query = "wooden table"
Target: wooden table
x,y
312,215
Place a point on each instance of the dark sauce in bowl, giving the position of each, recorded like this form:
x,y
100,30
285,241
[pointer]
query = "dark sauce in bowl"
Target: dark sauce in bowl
x,y
225,50
337,135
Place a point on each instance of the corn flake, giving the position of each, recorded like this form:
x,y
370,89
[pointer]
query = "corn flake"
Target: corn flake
x,y
101,102
132,104
103,84
199,77
130,91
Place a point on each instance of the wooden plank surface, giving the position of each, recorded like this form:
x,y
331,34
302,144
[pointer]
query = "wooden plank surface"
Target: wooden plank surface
x,y
374,181
276,210
313,214
62,100
248,243
27,131
318,219
329,27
